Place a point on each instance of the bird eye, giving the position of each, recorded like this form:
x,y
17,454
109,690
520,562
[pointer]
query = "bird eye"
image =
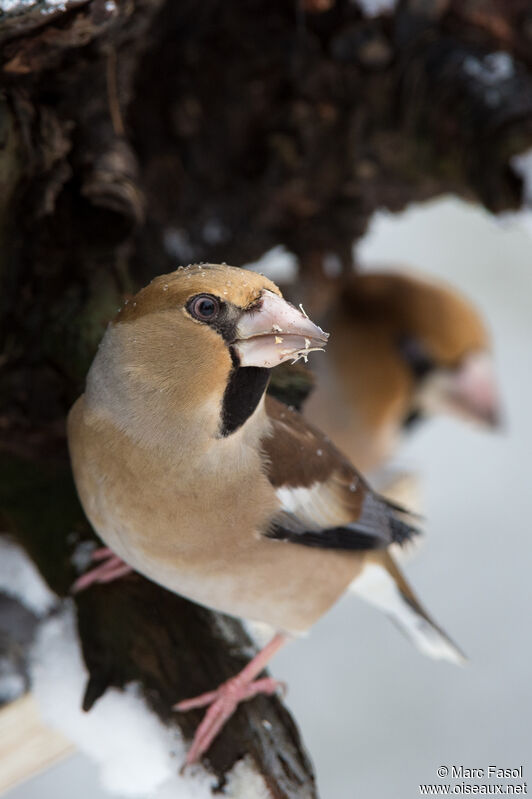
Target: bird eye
x,y
415,354
204,307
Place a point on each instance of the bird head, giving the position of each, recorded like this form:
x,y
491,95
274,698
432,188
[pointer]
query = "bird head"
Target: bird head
x,y
446,348
199,340
435,344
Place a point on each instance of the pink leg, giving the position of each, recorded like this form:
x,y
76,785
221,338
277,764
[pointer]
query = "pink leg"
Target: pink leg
x,y
110,568
225,699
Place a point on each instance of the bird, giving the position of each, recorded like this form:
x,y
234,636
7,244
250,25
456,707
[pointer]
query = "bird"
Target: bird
x,y
196,478
403,349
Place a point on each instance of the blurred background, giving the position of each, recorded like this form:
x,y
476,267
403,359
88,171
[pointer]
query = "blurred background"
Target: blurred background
x,y
377,703
308,140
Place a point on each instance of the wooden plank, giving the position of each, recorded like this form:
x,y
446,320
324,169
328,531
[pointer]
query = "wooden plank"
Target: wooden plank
x,y
27,746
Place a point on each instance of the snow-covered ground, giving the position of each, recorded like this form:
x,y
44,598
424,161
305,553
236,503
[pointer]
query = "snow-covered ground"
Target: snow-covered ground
x,y
378,718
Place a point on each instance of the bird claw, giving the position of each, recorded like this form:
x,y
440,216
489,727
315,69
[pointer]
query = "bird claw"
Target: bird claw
x,y
111,568
222,704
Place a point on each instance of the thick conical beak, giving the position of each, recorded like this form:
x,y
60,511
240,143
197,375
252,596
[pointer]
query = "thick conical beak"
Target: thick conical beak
x,y
275,331
473,389
470,391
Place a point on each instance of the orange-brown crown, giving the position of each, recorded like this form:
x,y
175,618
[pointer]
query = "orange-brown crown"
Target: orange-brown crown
x,y
438,316
172,291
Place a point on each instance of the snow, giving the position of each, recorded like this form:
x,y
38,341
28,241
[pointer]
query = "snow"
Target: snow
x,y
135,752
47,7
277,264
20,579
491,69
81,558
244,782
522,166
137,755
16,6
491,74
373,8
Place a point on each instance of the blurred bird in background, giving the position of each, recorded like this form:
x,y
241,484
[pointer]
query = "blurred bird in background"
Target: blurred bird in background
x,y
403,348
197,480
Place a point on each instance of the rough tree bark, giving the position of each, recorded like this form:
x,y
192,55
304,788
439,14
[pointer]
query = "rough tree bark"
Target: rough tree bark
x,y
140,134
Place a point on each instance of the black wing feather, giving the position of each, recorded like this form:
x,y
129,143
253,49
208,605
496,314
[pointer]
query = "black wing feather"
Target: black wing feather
x,y
366,534
331,538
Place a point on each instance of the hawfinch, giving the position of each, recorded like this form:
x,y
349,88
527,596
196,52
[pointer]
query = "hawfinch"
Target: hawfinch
x,y
196,479
402,348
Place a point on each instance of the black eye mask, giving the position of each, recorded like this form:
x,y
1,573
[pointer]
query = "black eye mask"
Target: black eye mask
x,y
416,356
412,420
223,318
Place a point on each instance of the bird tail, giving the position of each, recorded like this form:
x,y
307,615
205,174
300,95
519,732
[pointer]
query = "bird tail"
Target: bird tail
x,y
383,585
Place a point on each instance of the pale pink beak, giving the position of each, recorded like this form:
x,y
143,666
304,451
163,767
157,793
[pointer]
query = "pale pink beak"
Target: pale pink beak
x,y
473,389
468,391
275,332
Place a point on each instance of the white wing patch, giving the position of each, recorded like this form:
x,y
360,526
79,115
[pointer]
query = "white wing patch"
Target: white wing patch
x,y
316,507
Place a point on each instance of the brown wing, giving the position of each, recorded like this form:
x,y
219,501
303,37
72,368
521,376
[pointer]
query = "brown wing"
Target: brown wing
x,y
325,501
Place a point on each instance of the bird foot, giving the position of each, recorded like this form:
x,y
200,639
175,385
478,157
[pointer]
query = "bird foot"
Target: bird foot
x,y
110,568
222,704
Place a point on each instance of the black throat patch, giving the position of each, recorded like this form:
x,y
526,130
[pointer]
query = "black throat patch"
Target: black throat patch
x,y
246,386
